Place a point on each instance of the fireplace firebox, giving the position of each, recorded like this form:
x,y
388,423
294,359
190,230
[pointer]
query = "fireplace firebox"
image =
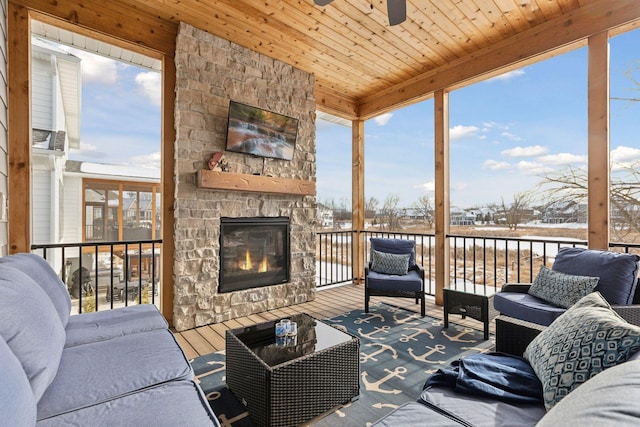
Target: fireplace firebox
x,y
254,252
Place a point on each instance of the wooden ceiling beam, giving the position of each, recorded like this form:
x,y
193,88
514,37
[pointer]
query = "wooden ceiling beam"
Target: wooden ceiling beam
x,y
152,34
592,18
332,102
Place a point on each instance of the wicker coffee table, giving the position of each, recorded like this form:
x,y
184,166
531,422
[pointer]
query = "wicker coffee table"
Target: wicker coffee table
x,y
287,382
476,306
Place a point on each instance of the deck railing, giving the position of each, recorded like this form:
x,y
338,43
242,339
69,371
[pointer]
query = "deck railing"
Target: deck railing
x,y
479,264
94,280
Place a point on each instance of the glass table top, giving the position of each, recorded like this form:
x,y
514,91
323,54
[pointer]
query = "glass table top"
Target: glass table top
x,y
313,336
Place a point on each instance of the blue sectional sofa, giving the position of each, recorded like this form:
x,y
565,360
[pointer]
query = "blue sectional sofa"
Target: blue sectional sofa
x,y
112,368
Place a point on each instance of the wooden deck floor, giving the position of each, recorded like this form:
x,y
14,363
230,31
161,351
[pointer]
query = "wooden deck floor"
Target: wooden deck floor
x,y
328,303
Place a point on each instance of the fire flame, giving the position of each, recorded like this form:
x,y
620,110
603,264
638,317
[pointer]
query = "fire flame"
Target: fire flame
x,y
264,266
247,262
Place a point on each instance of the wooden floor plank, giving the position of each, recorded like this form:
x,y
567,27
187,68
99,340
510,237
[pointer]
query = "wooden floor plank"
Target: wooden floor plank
x,y
328,303
199,344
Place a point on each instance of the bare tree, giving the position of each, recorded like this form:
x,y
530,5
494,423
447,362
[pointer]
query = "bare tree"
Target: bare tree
x,y
569,186
371,208
517,212
389,214
424,208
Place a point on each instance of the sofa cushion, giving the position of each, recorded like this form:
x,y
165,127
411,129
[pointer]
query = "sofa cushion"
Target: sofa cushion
x,y
101,371
610,399
479,411
171,404
414,413
102,325
38,269
521,305
31,327
618,272
387,263
589,338
561,289
17,404
410,282
395,246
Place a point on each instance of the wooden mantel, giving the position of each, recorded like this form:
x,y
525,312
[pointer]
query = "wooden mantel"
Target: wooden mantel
x,y
215,180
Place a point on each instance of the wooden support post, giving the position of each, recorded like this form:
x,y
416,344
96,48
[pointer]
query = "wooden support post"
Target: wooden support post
x,y
441,131
357,199
168,184
19,132
598,150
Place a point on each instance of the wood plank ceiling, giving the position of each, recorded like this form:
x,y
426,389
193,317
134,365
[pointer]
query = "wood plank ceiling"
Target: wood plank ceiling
x,y
362,65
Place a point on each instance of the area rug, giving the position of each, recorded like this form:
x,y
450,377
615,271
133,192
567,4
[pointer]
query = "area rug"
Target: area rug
x,y
398,352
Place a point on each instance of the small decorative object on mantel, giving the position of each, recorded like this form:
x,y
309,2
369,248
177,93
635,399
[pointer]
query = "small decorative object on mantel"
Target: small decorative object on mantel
x,y
217,162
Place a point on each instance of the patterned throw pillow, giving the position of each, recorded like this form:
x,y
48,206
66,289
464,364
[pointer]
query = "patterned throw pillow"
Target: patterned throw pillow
x,y
561,289
387,263
584,341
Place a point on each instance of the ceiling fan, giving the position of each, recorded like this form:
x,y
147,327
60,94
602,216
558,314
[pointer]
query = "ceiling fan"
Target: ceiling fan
x,y
396,10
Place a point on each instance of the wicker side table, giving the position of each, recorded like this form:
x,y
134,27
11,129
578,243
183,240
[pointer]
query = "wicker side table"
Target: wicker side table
x,y
289,385
476,306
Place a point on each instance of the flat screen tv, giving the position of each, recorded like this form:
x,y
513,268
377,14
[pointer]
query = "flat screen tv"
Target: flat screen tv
x,y
252,130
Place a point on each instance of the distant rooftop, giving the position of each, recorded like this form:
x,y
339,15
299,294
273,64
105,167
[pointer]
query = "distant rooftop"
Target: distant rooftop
x,y
102,170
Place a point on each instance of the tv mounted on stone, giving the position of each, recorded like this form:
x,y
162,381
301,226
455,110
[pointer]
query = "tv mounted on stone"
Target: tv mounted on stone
x,y
262,133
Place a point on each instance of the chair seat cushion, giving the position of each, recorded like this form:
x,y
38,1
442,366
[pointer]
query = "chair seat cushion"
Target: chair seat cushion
x,y
618,272
527,307
410,282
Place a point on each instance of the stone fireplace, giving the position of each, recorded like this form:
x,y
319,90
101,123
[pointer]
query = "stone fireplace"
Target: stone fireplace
x,y
211,71
254,252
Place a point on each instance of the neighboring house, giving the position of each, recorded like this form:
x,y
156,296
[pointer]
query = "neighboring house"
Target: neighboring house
x,y
565,212
461,217
76,201
325,216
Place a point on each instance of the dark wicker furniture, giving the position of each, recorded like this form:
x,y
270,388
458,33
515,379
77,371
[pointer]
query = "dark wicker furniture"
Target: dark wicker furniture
x,y
476,306
410,285
514,335
286,384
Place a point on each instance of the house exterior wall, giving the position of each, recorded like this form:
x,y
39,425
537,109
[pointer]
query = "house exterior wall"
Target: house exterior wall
x,y
4,224
42,78
72,197
210,72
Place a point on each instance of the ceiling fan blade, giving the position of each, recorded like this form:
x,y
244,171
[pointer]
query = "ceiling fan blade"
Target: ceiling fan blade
x,y
322,2
397,11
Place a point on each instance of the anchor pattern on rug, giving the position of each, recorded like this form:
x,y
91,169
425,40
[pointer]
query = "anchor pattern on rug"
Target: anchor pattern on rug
x,y
399,350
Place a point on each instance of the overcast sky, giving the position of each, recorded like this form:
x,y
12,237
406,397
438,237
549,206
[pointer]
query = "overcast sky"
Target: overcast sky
x,y
505,132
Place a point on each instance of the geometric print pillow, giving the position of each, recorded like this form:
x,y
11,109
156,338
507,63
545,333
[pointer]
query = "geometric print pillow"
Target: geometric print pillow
x,y
387,263
561,289
584,341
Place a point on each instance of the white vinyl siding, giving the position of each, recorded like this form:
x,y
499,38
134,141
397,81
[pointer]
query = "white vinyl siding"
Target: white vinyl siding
x,y
40,206
72,202
42,93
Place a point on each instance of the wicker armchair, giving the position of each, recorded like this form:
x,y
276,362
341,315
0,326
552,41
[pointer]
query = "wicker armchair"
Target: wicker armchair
x,y
514,335
409,285
618,283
